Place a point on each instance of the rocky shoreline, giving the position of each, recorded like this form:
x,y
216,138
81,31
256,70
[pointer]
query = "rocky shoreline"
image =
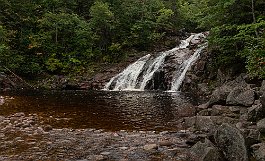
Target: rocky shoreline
x,y
233,120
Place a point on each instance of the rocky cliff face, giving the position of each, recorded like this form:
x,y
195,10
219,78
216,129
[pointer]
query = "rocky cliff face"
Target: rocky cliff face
x,y
6,82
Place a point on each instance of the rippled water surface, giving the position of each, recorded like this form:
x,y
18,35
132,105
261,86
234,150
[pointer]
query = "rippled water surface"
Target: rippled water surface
x,y
99,109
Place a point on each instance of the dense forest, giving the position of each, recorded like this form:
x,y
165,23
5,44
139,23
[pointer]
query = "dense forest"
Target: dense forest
x,y
73,36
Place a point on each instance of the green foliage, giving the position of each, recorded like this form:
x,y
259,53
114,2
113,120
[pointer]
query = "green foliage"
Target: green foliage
x,y
7,59
240,44
146,22
236,30
116,53
164,16
3,47
101,23
66,36
254,47
63,40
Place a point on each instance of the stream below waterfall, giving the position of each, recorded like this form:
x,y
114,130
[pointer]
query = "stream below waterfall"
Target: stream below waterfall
x,y
108,110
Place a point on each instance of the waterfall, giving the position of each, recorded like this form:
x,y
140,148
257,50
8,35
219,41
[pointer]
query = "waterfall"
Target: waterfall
x,y
137,75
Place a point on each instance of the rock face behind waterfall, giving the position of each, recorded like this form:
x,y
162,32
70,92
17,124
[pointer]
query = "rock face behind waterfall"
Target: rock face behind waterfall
x,y
171,63
162,71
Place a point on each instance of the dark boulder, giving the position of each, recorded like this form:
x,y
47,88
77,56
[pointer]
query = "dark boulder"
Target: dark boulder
x,y
256,111
252,136
262,100
207,124
219,95
259,151
6,83
261,125
262,88
157,82
241,96
205,151
230,140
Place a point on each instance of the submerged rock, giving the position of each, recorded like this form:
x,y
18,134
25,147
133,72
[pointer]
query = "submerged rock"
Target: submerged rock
x,y
47,128
165,143
149,147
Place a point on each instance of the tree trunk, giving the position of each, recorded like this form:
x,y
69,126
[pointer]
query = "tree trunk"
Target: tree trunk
x,y
253,16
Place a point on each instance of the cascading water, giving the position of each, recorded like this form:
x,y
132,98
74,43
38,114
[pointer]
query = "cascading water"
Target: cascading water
x,y
181,72
127,79
151,70
137,75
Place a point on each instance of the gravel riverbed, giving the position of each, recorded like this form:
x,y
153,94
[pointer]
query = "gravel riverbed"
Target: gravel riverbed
x,y
24,138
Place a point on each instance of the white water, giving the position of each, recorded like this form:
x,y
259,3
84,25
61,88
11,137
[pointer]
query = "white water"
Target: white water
x,y
160,60
127,79
176,83
137,75
152,69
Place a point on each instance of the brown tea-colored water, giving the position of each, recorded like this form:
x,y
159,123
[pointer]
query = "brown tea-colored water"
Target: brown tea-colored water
x,y
106,110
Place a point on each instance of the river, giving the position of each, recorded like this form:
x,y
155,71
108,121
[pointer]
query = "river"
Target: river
x,y
107,110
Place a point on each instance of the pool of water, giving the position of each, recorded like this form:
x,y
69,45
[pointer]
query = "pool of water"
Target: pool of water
x,y
111,111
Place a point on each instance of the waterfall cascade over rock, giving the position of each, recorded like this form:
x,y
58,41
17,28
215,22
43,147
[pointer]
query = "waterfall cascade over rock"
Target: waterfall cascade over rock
x,y
166,71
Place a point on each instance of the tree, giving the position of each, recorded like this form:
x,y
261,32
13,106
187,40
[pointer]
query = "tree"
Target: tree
x,y
142,22
64,36
3,46
236,34
63,41
102,23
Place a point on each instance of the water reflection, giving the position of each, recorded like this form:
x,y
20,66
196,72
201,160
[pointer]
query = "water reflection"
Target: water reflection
x,y
100,109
